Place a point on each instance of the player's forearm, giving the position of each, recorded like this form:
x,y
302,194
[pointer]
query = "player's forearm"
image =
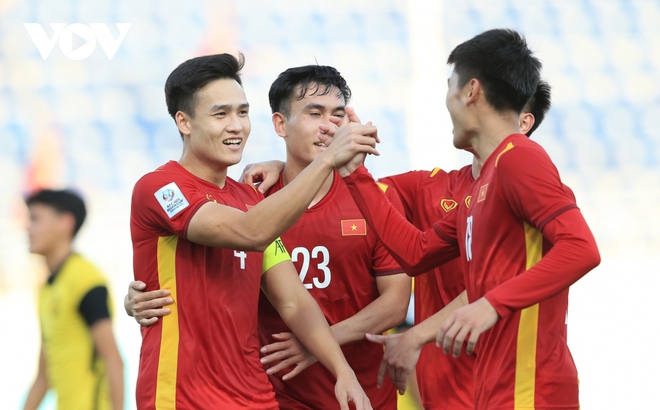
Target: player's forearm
x,y
385,312
36,394
310,327
426,331
416,251
573,255
277,213
40,385
105,345
115,370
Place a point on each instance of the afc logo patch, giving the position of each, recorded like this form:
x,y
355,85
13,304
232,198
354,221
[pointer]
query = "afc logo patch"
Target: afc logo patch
x,y
171,199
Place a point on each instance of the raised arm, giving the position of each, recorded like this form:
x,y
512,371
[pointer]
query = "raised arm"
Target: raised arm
x,y
221,226
416,251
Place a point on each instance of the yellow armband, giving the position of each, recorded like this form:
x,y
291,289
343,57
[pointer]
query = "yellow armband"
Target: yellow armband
x,y
274,254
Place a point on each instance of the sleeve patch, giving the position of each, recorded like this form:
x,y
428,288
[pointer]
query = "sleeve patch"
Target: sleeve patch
x,y
171,199
274,254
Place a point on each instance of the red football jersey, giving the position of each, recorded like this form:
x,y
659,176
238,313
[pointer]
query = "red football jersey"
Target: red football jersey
x,y
523,361
523,243
338,259
445,383
205,354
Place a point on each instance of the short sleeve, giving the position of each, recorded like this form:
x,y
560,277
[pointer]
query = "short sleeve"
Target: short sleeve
x,y
94,305
161,201
531,185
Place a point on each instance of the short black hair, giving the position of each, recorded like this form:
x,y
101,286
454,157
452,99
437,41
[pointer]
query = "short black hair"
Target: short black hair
x,y
503,64
63,201
317,79
538,105
190,76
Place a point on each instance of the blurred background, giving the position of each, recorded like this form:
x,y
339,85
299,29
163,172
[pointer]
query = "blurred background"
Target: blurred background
x,y
98,124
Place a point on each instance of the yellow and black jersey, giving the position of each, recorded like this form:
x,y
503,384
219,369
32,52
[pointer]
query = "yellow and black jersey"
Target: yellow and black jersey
x,y
73,299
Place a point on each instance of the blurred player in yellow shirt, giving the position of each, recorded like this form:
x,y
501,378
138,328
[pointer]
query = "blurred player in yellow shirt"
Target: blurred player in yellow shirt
x,y
79,358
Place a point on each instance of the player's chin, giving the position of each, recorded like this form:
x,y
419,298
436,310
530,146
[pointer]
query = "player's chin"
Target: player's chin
x,y
233,158
34,247
459,142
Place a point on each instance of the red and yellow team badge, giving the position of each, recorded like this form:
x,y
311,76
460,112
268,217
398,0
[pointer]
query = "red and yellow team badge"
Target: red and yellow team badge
x,y
468,200
448,204
482,193
353,227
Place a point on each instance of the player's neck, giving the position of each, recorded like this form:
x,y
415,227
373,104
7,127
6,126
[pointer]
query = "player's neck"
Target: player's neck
x,y
292,169
476,167
56,256
213,173
493,129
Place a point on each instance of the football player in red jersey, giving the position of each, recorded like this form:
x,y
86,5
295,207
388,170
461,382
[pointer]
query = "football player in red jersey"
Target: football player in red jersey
x,y
444,382
522,239
337,259
213,243
356,282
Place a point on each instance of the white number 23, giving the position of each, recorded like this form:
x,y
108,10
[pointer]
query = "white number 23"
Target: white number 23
x,y
319,252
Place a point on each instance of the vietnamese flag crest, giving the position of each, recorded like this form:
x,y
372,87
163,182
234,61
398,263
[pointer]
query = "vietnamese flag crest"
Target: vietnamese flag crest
x,y
351,227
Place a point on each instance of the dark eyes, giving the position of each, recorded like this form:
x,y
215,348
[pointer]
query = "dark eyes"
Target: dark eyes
x,y
224,114
318,114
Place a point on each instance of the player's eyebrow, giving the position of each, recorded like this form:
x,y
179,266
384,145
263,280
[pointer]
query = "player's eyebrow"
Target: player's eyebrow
x,y
219,107
316,106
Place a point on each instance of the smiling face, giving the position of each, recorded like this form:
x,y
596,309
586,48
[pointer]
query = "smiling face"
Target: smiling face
x,y
216,135
456,107
300,128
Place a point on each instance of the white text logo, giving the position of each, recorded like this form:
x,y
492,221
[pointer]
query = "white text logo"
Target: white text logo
x,y
65,34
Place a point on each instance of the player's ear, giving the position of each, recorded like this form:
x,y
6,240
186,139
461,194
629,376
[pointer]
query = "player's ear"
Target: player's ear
x,y
278,123
67,223
182,122
473,90
526,122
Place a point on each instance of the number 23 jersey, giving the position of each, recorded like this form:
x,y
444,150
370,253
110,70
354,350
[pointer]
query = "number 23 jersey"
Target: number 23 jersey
x,y
338,259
